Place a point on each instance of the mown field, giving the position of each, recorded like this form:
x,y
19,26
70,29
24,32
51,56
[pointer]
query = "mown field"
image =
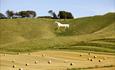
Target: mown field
x,y
60,60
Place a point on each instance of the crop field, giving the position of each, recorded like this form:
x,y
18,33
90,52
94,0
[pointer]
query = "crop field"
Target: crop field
x,y
60,60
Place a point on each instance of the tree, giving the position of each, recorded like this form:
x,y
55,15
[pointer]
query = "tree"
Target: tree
x,y
62,15
65,15
31,13
50,12
69,15
23,14
2,16
16,15
27,14
53,14
9,14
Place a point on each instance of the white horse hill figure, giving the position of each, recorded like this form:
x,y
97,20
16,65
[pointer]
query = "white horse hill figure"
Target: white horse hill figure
x,y
62,25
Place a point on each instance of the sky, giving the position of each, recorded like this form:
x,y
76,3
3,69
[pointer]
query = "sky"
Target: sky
x,y
79,8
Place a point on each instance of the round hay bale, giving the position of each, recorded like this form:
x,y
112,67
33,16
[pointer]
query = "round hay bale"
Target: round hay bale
x,y
80,54
14,66
36,62
100,60
91,59
20,69
94,56
49,62
71,64
43,55
27,64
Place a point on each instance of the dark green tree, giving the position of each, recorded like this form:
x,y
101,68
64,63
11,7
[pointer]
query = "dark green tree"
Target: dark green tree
x,y
23,14
53,14
62,15
9,14
65,15
69,15
31,13
27,14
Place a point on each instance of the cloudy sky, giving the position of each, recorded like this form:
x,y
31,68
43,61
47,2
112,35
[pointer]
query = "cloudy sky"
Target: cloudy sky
x,y
79,8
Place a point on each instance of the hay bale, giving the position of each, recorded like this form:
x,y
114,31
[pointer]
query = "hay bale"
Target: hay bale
x,y
14,66
71,64
27,64
43,55
100,60
80,54
49,62
91,59
94,56
20,69
36,62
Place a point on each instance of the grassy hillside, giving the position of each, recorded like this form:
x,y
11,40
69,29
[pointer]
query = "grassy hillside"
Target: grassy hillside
x,y
90,33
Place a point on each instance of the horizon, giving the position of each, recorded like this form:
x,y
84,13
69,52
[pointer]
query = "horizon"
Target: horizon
x,y
79,8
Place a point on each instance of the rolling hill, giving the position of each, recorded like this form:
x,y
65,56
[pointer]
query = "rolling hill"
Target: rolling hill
x,y
95,33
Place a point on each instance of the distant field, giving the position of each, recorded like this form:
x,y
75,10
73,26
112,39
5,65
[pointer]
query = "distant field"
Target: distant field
x,y
87,34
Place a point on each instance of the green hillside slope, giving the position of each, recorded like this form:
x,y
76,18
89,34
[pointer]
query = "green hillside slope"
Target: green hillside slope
x,y
90,33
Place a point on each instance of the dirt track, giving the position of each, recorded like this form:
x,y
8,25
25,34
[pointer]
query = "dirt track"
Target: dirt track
x,y
60,61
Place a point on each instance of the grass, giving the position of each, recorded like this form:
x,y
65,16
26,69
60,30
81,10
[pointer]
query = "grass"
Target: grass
x,y
89,33
106,40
